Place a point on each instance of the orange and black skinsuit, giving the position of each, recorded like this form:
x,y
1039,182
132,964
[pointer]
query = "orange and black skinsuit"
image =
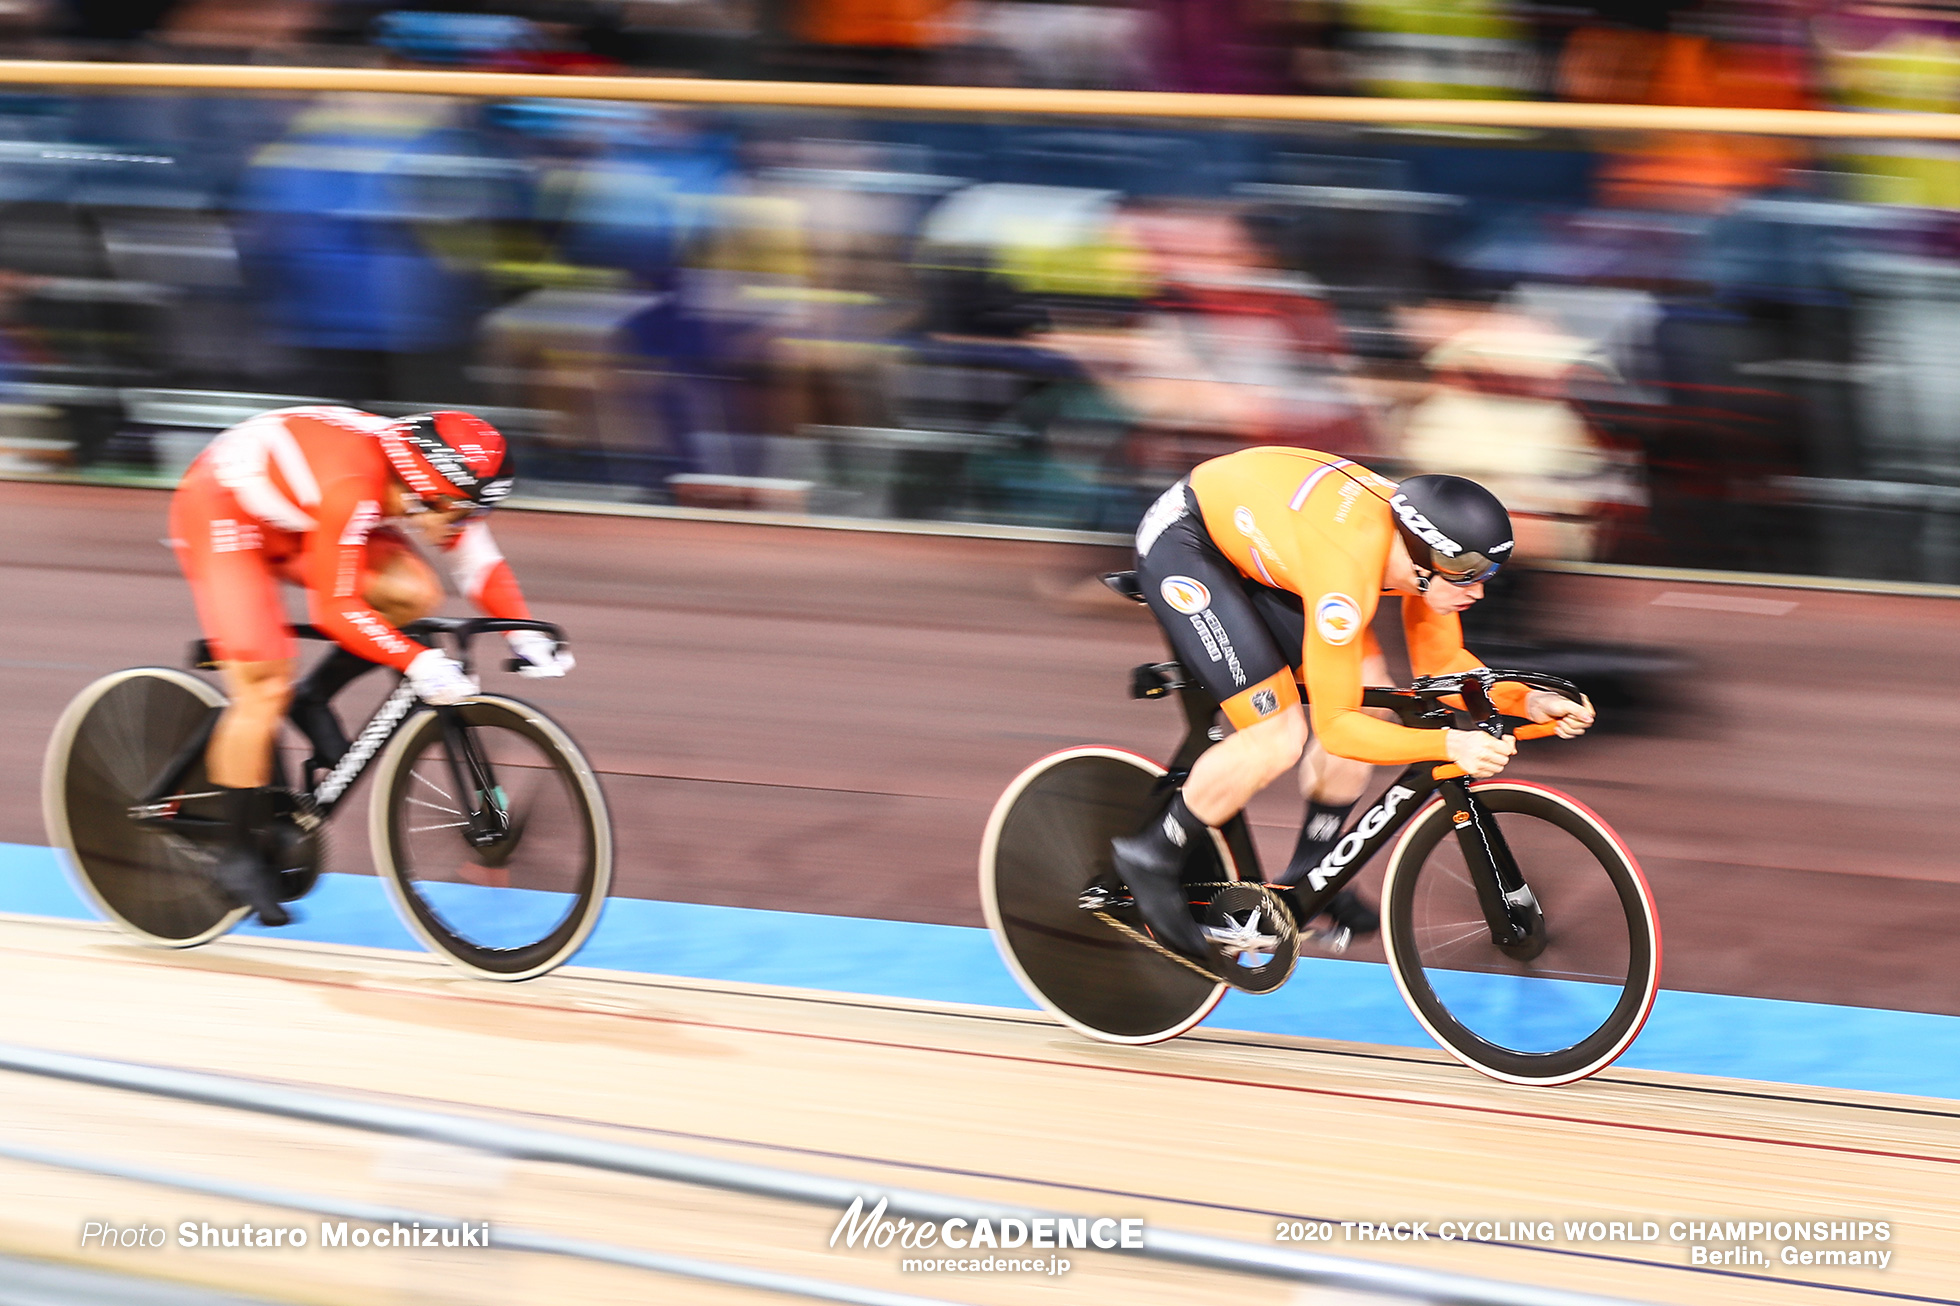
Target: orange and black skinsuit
x,y
1265,568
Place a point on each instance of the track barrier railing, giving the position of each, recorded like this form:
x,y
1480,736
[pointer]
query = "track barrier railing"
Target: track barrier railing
x,y
969,100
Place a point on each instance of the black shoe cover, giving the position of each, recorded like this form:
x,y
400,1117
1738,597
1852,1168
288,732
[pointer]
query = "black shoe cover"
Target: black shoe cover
x,y
243,874
242,869
1158,887
1354,915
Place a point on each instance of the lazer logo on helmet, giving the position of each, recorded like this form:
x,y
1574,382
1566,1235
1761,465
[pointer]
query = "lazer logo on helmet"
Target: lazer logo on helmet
x,y
1424,529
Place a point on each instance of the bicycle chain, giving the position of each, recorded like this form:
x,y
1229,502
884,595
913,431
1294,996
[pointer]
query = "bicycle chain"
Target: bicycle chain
x,y
1196,967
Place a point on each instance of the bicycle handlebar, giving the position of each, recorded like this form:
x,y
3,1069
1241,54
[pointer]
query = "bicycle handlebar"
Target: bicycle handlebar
x,y
465,629
1421,704
1536,730
462,629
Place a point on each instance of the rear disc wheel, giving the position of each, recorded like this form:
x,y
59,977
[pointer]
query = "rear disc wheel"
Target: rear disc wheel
x,y
1047,840
110,745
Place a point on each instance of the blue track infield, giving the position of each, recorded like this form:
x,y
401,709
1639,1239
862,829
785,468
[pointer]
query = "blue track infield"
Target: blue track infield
x,y
1692,1033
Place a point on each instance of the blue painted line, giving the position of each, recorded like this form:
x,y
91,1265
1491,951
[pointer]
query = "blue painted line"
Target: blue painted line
x,y
1693,1033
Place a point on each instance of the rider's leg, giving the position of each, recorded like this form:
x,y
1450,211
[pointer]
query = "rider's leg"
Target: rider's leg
x,y
240,755
1331,786
1199,599
1224,778
222,552
402,588
1221,782
239,763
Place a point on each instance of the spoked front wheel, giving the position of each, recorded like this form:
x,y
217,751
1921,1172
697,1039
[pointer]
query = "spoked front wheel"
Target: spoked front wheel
x,y
1570,999
1047,840
151,877
519,906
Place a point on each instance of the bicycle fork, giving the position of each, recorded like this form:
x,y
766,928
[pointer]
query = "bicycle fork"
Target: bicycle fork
x,y
487,820
1517,922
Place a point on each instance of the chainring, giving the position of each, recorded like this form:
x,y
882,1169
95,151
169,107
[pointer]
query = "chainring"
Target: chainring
x,y
1254,942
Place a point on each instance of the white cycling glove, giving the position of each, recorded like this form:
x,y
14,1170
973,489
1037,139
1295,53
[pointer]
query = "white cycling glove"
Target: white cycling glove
x,y
439,678
539,653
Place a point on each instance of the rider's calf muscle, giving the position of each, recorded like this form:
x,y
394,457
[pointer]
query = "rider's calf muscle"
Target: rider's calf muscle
x,y
240,753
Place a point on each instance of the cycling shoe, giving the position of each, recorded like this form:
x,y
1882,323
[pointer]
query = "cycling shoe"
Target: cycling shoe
x,y
1352,918
1157,884
252,883
1352,914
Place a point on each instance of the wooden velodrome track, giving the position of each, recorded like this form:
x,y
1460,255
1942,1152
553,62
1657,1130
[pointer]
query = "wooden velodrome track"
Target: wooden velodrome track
x,y
1219,1133
821,720
822,727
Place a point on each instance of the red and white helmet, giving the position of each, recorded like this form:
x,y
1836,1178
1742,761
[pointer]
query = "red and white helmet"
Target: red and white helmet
x,y
450,455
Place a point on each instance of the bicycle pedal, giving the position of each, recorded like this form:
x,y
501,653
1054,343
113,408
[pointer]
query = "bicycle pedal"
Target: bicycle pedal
x,y
1105,897
1334,942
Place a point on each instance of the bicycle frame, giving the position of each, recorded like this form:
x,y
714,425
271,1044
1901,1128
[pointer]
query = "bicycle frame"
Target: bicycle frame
x,y
1510,908
471,772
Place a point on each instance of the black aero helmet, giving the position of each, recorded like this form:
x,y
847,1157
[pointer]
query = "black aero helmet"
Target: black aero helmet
x,y
1453,527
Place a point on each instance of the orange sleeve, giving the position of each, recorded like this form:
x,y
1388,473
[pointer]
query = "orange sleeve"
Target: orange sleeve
x,y
1331,662
1436,648
336,551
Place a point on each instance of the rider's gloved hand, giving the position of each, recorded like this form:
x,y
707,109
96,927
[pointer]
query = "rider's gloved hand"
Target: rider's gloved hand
x,y
439,678
1573,718
1477,753
539,653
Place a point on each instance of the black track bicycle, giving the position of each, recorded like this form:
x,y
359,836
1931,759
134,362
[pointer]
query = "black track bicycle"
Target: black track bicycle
x,y
1517,925
487,824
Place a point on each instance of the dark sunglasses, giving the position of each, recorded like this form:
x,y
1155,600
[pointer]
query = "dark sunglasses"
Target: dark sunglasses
x,y
1479,570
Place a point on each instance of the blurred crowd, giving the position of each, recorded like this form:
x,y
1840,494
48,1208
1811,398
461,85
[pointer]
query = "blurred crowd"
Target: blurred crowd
x,y
1672,348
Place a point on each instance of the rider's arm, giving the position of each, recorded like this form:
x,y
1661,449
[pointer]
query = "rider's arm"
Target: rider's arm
x,y
482,574
1436,648
1333,675
1335,641
333,567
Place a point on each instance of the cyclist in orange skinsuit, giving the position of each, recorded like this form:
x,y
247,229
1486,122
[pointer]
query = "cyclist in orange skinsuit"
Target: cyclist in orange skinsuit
x,y
1265,568
301,495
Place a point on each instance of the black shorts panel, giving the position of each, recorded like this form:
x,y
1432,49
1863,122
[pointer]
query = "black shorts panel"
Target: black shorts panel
x,y
1200,599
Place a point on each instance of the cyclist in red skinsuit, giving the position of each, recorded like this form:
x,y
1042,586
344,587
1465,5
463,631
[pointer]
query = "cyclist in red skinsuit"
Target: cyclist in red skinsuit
x,y
302,495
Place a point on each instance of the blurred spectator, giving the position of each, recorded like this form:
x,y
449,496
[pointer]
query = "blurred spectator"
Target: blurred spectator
x,y
247,28
1024,43
869,40
1730,54
1895,59
1441,49
362,231
1236,46
1499,414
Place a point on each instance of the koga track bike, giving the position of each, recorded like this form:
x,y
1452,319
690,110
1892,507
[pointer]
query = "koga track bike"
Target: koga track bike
x,y
487,825
1517,925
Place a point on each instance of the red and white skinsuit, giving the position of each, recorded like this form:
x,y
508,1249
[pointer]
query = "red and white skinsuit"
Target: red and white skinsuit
x,y
296,495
